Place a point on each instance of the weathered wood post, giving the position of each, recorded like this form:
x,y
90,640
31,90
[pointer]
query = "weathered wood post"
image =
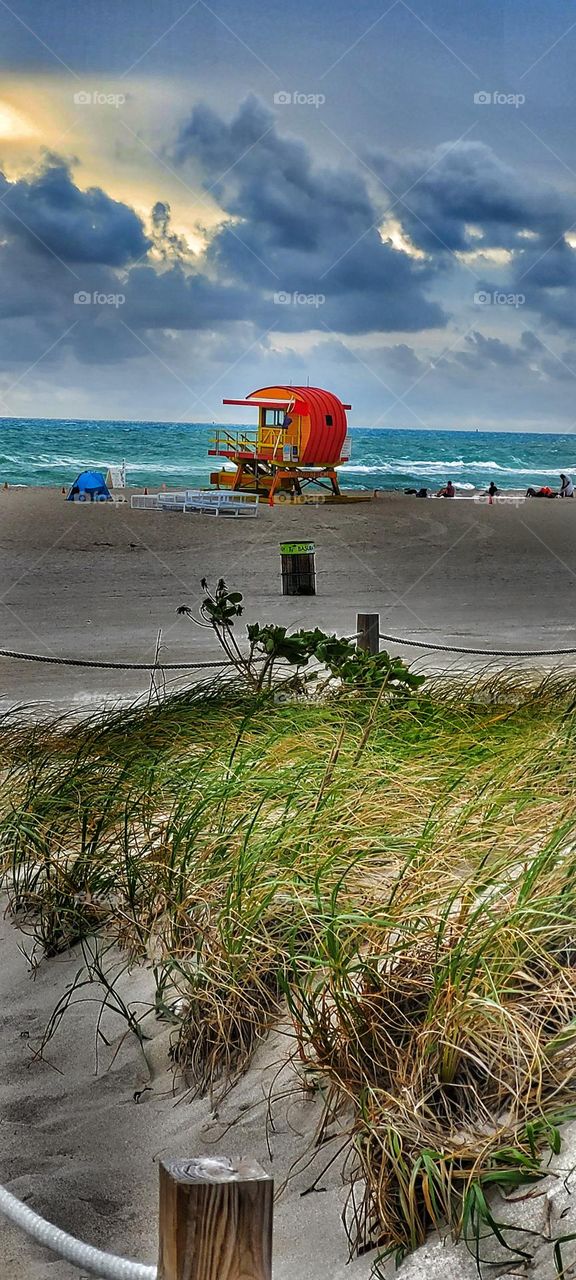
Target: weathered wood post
x,y
368,632
298,568
215,1220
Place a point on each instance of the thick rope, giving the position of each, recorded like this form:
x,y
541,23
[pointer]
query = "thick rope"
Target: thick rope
x,y
121,666
482,653
84,1256
112,666
202,666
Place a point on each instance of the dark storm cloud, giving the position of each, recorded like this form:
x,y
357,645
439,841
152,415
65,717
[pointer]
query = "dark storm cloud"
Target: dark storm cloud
x,y
456,188
464,198
167,242
296,227
269,180
299,251
49,213
175,299
482,351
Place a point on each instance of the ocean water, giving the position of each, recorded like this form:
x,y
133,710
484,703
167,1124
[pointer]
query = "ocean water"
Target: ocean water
x,y
52,452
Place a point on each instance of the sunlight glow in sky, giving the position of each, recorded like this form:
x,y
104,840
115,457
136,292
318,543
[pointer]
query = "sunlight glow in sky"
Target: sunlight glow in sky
x,y
382,201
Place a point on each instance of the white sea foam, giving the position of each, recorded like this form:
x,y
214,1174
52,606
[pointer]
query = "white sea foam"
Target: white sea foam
x,y
145,468
412,466
156,452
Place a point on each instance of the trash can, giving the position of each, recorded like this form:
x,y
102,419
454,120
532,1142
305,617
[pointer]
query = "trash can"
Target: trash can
x,y
298,568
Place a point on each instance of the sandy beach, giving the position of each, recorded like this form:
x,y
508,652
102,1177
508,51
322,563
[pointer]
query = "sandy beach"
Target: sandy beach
x,y
288,878
100,581
82,1134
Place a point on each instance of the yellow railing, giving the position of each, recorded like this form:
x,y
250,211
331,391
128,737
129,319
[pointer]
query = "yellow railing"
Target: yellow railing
x,y
267,442
234,441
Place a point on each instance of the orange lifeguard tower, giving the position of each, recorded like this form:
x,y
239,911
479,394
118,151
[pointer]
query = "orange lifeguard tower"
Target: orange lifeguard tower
x,y
301,437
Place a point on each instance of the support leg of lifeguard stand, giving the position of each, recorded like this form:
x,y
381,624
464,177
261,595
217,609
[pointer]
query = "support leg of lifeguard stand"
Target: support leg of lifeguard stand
x,y
273,488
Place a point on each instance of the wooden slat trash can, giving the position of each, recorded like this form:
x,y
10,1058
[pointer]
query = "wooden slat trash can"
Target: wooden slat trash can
x,y
298,568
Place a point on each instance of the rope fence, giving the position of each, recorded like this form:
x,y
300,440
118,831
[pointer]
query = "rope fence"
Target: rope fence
x,y
482,653
369,636
408,641
113,666
215,1220
90,1260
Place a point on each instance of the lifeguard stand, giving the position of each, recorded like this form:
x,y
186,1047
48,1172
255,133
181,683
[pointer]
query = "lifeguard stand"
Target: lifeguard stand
x,y
301,437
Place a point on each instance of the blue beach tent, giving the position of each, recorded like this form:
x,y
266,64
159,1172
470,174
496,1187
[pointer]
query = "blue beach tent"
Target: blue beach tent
x,y
89,486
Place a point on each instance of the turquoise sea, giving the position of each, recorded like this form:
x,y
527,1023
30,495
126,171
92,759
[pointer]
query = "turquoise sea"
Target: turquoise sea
x,y
52,452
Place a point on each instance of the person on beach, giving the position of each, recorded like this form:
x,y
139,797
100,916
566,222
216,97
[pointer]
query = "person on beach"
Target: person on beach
x,y
491,493
448,491
566,487
544,492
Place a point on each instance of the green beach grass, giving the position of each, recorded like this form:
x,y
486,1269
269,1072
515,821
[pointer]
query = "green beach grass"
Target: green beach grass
x,y
396,874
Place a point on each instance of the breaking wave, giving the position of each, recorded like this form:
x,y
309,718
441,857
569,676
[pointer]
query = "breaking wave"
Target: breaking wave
x,y
53,452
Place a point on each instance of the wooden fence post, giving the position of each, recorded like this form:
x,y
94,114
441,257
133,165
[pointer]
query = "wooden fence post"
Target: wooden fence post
x,y
215,1220
368,628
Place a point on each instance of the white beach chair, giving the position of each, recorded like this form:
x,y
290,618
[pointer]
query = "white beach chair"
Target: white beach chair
x,y
212,502
220,502
144,501
172,501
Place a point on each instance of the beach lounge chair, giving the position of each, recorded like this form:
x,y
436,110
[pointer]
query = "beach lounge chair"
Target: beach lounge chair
x,y
218,502
212,502
171,501
144,501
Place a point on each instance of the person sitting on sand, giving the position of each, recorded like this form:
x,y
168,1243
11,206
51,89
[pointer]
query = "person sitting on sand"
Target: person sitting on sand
x,y
566,487
544,492
490,493
448,491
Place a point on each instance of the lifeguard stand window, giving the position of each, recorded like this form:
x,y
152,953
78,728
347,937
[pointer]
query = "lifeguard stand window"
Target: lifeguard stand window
x,y
329,420
274,417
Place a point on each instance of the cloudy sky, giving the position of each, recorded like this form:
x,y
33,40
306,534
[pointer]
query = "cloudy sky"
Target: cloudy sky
x,y
200,199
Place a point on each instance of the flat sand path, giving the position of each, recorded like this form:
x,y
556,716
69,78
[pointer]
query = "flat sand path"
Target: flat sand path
x,y
99,581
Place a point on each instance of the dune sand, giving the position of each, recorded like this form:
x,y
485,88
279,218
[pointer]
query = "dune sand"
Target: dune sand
x,y
83,1128
79,1148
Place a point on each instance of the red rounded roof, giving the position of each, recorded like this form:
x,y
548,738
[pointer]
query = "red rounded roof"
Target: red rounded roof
x,y
325,442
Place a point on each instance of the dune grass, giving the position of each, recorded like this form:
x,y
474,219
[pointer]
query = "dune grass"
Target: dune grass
x,y
400,875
